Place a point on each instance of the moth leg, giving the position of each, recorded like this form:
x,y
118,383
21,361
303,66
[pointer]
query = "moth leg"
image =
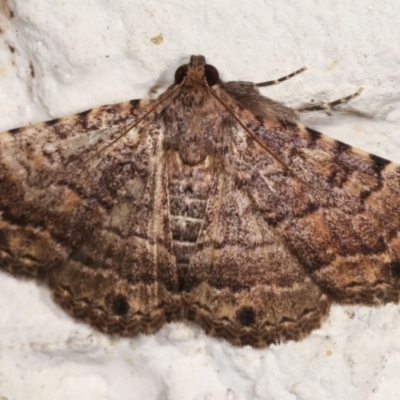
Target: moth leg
x,y
331,105
284,78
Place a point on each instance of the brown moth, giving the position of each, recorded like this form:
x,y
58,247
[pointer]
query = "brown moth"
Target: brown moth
x,y
211,203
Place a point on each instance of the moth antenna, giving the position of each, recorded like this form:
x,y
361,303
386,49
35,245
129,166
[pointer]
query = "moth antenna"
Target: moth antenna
x,y
330,105
284,78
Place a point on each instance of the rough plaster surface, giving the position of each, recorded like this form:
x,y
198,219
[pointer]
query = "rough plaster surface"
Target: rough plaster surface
x,y
59,57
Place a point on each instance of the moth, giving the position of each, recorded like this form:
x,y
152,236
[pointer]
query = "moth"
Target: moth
x,y
212,204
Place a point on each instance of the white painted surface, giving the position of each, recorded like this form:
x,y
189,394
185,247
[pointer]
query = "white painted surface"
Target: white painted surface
x,y
93,52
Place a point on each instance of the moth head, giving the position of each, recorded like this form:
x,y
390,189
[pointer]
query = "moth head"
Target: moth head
x,y
197,71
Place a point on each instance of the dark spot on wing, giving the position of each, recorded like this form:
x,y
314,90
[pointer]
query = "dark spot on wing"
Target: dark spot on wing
x,y
379,163
395,268
119,305
342,147
246,316
15,131
84,114
286,124
364,194
135,103
314,135
52,122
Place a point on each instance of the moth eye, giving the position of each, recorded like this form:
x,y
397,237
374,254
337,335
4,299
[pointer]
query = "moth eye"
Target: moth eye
x,y
180,73
212,74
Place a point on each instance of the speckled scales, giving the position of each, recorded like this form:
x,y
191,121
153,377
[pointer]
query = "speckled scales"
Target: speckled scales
x,y
80,233
211,204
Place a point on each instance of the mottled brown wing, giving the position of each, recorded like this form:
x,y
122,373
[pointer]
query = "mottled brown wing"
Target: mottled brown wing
x,y
97,230
244,284
335,207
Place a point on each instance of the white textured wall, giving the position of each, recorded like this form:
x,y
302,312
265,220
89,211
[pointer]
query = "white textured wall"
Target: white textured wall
x,y
91,52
